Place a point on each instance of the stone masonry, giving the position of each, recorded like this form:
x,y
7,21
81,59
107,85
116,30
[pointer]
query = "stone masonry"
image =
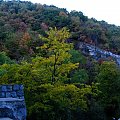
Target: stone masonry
x,y
12,103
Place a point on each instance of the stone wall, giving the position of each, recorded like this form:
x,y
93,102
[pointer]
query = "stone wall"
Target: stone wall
x,y
11,91
98,53
12,103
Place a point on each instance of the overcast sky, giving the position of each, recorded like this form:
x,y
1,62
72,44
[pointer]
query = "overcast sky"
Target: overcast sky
x,y
107,10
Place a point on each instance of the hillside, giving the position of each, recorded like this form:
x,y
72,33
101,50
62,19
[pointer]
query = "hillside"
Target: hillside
x,y
40,48
17,18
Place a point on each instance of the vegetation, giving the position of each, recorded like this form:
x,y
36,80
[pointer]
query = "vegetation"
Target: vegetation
x,y
39,49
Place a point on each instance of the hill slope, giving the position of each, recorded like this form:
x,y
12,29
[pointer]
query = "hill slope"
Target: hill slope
x,y
19,17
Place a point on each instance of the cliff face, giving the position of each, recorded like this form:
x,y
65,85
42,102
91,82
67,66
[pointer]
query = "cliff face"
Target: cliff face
x,y
12,103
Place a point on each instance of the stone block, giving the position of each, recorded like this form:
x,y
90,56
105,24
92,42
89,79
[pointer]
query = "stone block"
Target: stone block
x,y
9,88
2,94
13,94
16,87
8,95
20,93
21,87
4,88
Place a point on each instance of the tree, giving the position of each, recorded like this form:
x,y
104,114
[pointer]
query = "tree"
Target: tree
x,y
24,47
109,85
5,59
55,61
59,102
80,76
77,57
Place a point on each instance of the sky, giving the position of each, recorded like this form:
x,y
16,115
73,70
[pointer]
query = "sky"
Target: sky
x,y
107,10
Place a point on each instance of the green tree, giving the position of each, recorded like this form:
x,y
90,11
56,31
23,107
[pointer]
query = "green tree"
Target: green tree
x,y
77,57
109,85
5,59
79,76
59,102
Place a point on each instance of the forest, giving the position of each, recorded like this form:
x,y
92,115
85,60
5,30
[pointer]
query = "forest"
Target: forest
x,y
39,48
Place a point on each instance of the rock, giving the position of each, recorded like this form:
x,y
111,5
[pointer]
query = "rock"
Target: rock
x,y
4,88
16,87
9,88
2,94
20,93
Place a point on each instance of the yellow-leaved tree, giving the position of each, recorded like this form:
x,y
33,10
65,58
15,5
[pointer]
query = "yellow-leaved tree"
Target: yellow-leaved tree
x,y
51,64
54,63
